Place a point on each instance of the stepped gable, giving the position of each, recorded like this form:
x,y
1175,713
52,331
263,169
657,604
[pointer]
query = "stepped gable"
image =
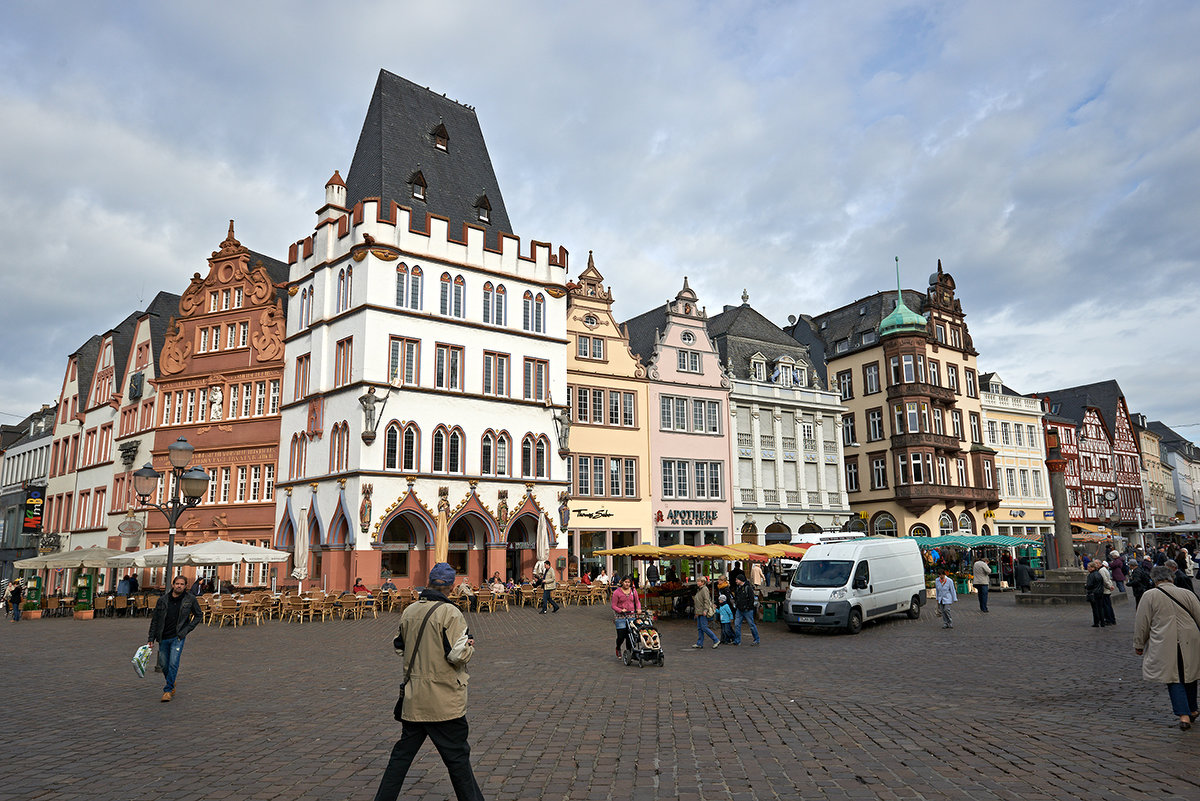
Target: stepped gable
x,y
740,331
399,145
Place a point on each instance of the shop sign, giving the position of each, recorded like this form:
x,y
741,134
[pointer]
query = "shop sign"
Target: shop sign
x,y
689,517
593,515
1048,515
517,545
34,500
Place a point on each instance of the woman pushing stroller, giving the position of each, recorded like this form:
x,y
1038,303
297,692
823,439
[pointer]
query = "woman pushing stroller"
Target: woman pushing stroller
x,y
625,603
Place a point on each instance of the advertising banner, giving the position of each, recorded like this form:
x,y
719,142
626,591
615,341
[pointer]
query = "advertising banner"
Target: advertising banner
x,y
35,499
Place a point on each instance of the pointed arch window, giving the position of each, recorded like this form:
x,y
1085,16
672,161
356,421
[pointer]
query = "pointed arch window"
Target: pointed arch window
x,y
345,284
454,451
391,447
439,450
410,444
503,446
450,301
417,182
527,457
542,465
401,285
499,310
483,209
489,296
487,454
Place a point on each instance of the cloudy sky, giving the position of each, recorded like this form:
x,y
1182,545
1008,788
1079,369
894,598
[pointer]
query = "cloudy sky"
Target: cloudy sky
x,y
1047,153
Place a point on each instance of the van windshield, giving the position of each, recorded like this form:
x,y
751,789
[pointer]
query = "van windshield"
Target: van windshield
x,y
822,573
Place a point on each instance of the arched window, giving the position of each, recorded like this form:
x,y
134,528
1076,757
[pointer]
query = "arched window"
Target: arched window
x,y
500,312
341,288
391,447
919,530
884,525
543,464
539,314
486,454
439,450
503,446
965,524
527,311
460,287
402,285
489,296
444,294
527,457
345,280
411,441
414,289
454,452
945,524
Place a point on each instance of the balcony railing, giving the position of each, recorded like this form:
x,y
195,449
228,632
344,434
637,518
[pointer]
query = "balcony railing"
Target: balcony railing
x,y
747,495
927,495
814,499
830,446
833,498
810,444
771,496
789,443
745,441
766,440
926,439
793,497
934,393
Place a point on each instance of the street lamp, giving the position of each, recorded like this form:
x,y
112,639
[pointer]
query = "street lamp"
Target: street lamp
x,y
192,483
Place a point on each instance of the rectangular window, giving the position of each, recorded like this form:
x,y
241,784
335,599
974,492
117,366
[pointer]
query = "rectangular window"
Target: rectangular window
x,y
910,372
962,472
943,471
849,436
402,361
935,377
894,364
224,485
583,402
243,334
851,477
1037,483
939,423
598,406
714,417
301,388
715,484
341,361
918,474
874,425
665,413
879,473
956,421
1019,435
247,397
902,465
583,347
969,375
598,475
212,301
237,297
614,408
627,409
536,373
166,418
681,479
585,475
231,336
191,406
991,429
614,477
668,478
952,377
680,414
255,481
871,378
203,346
939,331
274,407
630,478
448,367
260,398
241,485
846,384
987,475
913,425
495,374
698,407
1025,483
976,436
1033,437
689,361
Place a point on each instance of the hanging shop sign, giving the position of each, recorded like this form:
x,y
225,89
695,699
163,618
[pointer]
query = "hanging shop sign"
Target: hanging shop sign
x,y
35,499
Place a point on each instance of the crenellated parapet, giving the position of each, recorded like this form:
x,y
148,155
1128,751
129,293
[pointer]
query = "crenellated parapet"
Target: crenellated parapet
x,y
370,228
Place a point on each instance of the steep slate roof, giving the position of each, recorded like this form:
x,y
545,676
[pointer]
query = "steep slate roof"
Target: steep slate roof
x,y
85,358
164,306
1074,401
277,270
851,321
643,331
396,141
1172,440
50,412
740,331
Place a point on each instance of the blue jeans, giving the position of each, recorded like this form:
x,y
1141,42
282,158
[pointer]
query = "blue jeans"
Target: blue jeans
x,y
726,632
1183,697
739,616
547,601
982,589
702,629
169,652
16,612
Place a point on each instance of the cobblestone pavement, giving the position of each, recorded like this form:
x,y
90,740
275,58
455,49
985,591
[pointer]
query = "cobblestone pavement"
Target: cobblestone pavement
x,y
1021,703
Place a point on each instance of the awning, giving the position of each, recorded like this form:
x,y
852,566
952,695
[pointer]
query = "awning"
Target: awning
x,y
975,541
642,551
1182,528
78,558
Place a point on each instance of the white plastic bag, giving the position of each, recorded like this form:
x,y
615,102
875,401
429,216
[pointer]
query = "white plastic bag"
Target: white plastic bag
x,y
141,658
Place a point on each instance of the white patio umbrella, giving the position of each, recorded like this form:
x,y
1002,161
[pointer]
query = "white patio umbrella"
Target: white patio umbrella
x,y
300,558
223,552
147,557
32,563
78,558
543,539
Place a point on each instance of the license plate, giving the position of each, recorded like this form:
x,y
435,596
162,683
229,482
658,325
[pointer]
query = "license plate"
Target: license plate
x,y
806,620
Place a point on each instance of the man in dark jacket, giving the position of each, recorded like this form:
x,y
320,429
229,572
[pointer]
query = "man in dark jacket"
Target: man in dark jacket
x,y
175,615
1139,580
1116,566
1094,587
743,602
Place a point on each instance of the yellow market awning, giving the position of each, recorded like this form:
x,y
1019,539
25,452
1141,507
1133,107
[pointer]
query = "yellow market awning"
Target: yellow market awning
x,y
643,551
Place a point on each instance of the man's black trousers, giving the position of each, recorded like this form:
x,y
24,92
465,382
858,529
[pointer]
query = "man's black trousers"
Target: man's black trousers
x,y
450,739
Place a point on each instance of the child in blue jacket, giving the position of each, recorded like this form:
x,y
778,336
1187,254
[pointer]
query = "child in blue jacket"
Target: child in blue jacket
x,y
725,613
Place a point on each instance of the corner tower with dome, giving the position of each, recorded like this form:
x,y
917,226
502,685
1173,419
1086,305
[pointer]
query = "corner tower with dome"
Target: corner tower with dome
x,y
904,365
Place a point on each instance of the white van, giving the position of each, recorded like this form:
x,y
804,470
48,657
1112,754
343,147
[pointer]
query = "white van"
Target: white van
x,y
843,584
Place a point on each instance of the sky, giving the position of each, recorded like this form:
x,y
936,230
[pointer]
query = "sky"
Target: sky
x,y
1047,153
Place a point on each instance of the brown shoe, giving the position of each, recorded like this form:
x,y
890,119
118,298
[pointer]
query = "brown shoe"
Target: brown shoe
x,y
166,697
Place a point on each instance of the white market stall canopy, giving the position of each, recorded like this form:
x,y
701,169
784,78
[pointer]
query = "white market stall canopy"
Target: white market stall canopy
x,y
212,552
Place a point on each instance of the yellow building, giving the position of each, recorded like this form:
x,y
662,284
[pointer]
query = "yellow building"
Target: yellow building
x,y
609,461
1013,428
916,463
1158,485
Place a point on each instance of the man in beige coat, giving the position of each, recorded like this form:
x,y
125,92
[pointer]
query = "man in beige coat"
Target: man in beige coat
x,y
704,608
435,698
1167,631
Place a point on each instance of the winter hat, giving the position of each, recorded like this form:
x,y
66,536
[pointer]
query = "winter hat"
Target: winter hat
x,y
442,573
722,598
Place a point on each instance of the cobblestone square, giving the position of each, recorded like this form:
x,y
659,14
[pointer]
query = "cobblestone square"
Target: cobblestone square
x,y
1021,703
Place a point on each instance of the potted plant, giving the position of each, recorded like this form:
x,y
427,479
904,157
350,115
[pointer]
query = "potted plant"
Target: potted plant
x,y
83,611
30,610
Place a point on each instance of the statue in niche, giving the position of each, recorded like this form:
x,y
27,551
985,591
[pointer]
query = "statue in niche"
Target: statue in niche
x,y
502,508
364,509
216,403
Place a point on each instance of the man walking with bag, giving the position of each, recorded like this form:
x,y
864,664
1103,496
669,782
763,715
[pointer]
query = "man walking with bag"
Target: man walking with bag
x,y
175,615
545,579
435,645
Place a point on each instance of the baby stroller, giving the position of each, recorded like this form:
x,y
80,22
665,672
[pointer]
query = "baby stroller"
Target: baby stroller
x,y
641,641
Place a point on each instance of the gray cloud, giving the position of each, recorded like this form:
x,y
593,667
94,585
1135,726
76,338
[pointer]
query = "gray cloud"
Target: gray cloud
x,y
1047,153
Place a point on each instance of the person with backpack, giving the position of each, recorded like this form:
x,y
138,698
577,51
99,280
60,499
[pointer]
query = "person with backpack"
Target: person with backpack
x,y
744,602
1139,580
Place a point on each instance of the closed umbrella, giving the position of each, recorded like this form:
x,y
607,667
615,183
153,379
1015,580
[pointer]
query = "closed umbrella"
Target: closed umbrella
x,y
543,539
300,558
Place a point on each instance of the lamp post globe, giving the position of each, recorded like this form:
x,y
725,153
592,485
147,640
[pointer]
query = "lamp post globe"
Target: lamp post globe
x,y
145,481
180,452
194,484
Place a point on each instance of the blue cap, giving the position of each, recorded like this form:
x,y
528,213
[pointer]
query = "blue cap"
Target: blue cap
x,y
442,573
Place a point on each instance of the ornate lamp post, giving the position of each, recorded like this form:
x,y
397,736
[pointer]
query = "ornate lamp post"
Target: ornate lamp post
x,y
192,484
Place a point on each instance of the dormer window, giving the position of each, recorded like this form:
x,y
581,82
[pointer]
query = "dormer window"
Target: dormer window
x,y
441,139
483,209
417,181
758,369
868,337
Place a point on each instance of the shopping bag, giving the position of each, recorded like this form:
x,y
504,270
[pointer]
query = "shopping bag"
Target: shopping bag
x,y
141,658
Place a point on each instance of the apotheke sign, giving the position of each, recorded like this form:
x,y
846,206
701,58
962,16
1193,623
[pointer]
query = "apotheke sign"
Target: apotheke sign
x,y
690,517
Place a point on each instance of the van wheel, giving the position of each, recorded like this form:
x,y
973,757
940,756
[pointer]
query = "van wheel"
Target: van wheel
x,y
854,625
914,608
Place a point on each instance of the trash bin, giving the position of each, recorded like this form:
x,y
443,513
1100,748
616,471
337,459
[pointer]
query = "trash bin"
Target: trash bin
x,y
962,586
768,612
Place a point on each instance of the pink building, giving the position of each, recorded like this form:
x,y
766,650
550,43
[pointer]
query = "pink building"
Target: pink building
x,y
690,486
